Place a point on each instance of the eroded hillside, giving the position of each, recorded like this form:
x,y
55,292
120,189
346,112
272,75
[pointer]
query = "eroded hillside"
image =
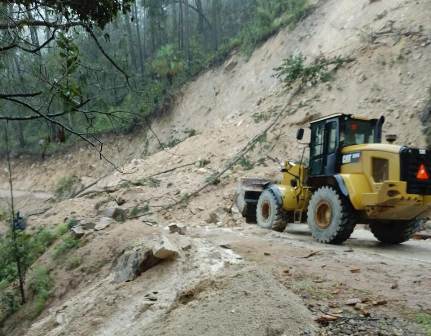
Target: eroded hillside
x,y
228,277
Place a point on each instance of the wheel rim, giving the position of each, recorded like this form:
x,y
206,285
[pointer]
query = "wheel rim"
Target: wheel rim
x,y
323,215
266,210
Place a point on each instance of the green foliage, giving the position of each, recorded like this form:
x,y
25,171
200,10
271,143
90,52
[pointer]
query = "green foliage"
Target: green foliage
x,y
67,244
4,215
203,163
213,180
260,116
294,69
137,211
246,163
9,302
62,229
28,248
65,186
79,72
270,17
191,132
168,63
424,320
100,12
40,285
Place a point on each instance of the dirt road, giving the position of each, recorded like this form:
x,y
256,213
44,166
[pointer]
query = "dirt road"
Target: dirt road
x,y
390,283
39,195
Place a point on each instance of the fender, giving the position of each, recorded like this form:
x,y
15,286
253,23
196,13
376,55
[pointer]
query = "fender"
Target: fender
x,y
276,190
341,185
335,181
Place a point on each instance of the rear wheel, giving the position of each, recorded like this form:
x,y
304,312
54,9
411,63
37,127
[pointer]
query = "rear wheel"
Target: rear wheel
x,y
330,217
395,232
269,212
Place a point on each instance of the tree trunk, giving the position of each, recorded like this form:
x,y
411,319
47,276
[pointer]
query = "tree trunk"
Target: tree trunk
x,y
181,26
138,34
187,32
215,4
131,42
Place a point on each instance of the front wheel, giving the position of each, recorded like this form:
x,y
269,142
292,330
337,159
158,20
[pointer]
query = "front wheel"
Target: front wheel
x,y
330,216
269,212
395,232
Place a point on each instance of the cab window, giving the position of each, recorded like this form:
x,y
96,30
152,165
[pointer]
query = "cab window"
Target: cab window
x,y
358,132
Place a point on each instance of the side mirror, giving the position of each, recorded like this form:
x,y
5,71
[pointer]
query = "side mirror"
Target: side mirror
x,y
300,134
391,138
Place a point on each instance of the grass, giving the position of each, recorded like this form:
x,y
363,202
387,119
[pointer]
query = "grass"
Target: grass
x,y
246,163
40,285
65,186
4,215
67,244
424,319
31,247
260,116
136,211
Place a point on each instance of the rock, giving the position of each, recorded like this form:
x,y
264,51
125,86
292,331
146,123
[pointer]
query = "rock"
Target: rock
x,y
115,213
103,223
231,65
379,303
177,228
60,318
353,302
165,249
212,218
120,200
216,216
325,319
88,225
77,232
133,262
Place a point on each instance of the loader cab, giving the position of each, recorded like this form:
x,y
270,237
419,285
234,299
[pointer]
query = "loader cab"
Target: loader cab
x,y
331,134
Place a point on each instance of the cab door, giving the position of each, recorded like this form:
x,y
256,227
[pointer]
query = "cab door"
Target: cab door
x,y
324,148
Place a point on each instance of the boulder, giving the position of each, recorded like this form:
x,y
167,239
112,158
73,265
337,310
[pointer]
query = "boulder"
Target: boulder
x,y
133,262
166,249
117,214
103,223
88,225
181,229
77,231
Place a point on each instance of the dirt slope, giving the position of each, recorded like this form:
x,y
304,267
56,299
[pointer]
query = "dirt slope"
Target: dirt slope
x,y
390,41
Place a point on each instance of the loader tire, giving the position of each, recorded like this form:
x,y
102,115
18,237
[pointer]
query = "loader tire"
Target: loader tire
x,y
269,212
330,216
395,232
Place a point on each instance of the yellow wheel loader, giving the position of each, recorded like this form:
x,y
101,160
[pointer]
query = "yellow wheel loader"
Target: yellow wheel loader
x,y
351,177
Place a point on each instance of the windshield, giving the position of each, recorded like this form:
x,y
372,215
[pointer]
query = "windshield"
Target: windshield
x,y
358,132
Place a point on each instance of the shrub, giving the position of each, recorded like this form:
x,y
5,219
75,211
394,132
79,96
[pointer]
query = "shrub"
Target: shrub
x,y
65,186
40,285
9,303
294,69
68,243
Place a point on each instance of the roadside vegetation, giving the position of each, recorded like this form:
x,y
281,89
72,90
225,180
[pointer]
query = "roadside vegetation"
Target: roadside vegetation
x,y
27,248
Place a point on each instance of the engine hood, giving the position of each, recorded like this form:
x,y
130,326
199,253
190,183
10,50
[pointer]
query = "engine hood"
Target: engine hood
x,y
372,147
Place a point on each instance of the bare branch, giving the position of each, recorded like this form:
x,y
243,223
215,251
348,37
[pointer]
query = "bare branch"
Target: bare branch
x,y
94,37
